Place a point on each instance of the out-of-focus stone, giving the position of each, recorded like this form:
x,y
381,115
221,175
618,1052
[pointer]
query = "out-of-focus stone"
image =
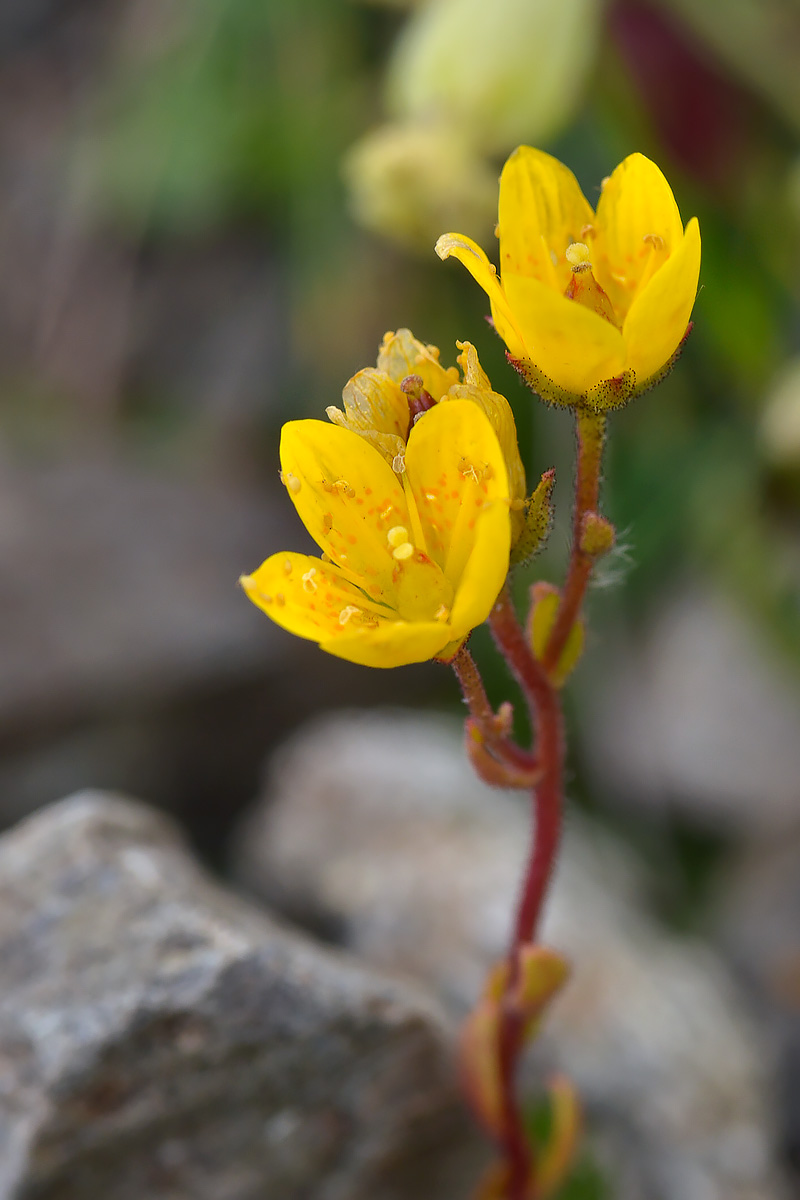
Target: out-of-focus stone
x,y
758,919
374,826
698,716
161,1038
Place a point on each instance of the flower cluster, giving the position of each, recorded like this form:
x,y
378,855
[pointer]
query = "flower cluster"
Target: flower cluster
x,y
414,490
409,494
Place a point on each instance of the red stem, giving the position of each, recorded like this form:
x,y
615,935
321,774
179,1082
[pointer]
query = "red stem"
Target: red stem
x,y
590,429
485,717
545,707
535,679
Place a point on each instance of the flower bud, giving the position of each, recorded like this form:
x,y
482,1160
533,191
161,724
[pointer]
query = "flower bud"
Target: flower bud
x,y
597,535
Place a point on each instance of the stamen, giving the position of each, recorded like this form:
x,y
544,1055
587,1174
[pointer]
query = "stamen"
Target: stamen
x,y
309,583
347,613
397,535
402,552
578,256
655,240
587,231
419,400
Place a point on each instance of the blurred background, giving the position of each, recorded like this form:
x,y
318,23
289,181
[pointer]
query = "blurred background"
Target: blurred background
x,y
210,212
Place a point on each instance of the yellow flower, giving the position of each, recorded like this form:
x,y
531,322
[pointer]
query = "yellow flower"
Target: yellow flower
x,y
377,407
411,562
592,306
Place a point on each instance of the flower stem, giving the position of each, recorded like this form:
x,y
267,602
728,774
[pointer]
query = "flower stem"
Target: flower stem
x,y
545,709
590,430
488,722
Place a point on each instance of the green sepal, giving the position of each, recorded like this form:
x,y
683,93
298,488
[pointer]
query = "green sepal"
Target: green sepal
x,y
537,521
604,396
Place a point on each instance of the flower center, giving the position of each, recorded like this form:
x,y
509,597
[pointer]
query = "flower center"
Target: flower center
x,y
583,287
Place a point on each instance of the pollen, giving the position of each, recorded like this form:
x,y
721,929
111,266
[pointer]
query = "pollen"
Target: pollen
x,y
397,535
442,613
287,566
309,583
398,464
403,551
578,256
349,611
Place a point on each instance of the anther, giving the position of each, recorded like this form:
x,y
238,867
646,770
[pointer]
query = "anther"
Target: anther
x,y
347,613
397,535
578,256
403,551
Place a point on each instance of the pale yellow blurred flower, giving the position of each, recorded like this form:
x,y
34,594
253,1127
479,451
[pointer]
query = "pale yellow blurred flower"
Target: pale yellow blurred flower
x,y
780,421
409,180
506,70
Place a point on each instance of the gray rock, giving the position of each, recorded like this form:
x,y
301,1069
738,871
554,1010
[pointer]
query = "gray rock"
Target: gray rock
x,y
758,919
160,1038
375,825
696,713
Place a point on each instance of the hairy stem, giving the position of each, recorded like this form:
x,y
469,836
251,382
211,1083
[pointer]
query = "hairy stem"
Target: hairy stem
x,y
590,429
469,677
545,709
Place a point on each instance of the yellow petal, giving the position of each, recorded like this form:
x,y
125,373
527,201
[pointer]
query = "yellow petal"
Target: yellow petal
x,y
477,388
483,272
310,598
456,469
401,354
659,314
376,408
393,644
542,210
636,228
570,344
349,500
